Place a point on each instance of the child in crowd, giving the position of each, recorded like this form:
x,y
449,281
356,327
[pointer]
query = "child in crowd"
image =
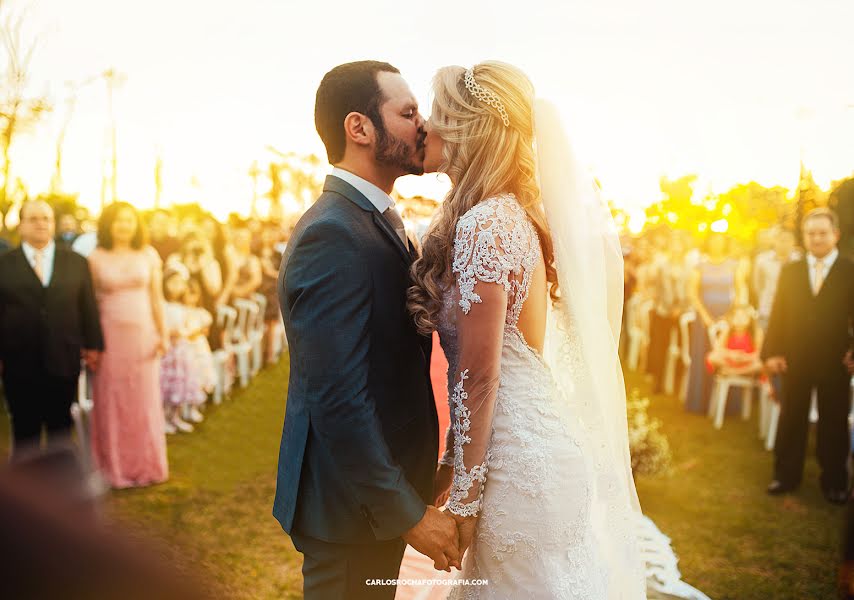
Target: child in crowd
x,y
199,322
735,351
180,384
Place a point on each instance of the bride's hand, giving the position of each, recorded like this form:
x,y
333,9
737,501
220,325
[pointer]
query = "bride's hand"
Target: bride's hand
x,y
442,484
465,529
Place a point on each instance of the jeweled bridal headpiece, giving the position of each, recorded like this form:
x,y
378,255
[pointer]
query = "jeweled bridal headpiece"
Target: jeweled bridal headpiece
x,y
486,96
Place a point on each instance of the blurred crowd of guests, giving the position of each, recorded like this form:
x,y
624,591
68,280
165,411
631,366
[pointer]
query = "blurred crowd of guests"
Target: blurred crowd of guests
x,y
134,298
780,310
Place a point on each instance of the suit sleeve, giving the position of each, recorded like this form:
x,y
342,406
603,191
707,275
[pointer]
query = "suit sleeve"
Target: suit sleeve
x,y
93,338
328,289
773,344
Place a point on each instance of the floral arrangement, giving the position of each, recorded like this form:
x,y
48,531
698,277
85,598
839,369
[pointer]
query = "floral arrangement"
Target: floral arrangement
x,y
648,446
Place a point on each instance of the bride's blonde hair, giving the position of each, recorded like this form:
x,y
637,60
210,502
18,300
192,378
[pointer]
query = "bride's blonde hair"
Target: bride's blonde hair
x,y
484,157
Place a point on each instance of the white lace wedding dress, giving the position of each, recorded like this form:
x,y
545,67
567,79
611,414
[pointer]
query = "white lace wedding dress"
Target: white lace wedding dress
x,y
515,441
527,479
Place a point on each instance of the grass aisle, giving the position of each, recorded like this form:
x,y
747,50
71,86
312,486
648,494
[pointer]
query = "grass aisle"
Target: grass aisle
x,y
216,506
734,542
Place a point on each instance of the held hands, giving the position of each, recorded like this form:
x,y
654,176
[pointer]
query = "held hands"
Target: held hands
x,y
465,530
435,535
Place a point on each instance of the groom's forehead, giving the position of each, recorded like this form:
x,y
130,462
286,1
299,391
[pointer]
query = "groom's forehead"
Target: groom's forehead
x,y
395,89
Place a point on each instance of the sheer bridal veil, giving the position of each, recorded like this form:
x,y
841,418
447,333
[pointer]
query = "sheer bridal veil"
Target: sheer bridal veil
x,y
582,338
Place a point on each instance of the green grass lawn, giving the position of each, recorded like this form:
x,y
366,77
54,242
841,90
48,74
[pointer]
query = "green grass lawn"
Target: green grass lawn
x,y
733,541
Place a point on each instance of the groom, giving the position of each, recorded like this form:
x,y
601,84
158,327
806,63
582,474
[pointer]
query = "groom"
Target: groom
x,y
360,439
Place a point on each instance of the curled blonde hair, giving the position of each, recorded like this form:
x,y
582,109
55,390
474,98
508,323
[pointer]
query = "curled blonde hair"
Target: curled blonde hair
x,y
484,158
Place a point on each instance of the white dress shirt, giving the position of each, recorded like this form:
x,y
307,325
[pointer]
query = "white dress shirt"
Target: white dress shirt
x,y
48,253
85,243
828,263
377,197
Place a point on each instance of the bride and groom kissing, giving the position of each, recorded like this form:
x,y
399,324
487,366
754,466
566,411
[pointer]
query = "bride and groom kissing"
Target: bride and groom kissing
x,y
521,274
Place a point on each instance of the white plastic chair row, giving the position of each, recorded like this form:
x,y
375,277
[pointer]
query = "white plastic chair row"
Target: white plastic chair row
x,y
637,322
242,338
81,412
279,339
256,333
678,351
225,319
244,331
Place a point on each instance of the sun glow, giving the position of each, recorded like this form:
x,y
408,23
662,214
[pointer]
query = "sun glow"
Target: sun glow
x,y
208,88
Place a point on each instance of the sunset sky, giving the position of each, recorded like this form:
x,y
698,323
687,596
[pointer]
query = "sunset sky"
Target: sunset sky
x,y
733,91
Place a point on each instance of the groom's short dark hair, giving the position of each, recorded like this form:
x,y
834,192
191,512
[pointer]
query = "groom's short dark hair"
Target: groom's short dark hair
x,y
351,87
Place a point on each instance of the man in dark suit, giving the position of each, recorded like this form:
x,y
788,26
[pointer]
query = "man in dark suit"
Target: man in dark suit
x,y
48,320
360,438
4,245
809,341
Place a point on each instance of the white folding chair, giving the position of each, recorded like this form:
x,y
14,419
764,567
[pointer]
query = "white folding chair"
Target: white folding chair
x,y
773,422
256,333
774,419
81,412
225,318
241,346
278,340
723,383
851,411
638,328
685,351
674,353
766,406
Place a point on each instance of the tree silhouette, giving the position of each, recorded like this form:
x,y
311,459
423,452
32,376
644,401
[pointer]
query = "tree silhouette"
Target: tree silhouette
x,y
19,110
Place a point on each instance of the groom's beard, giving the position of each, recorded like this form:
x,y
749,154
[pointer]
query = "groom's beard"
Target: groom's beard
x,y
394,152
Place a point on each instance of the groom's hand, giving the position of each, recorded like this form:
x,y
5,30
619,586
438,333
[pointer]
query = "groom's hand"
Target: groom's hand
x,y
435,535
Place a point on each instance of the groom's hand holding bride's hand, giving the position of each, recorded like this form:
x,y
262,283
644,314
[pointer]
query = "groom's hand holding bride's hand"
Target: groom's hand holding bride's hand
x,y
435,535
465,530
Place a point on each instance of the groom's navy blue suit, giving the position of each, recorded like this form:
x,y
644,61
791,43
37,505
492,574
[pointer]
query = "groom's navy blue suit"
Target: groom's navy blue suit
x,y
360,439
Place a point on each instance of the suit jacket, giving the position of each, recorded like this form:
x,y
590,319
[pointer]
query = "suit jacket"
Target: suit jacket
x,y
360,438
43,329
813,333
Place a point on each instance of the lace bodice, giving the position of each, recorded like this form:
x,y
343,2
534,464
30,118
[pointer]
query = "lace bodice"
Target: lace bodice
x,y
495,243
496,250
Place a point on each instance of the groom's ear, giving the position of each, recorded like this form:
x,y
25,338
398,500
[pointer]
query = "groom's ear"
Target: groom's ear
x,y
359,129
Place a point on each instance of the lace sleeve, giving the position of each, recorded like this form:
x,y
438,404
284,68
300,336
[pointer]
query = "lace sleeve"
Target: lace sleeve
x,y
484,265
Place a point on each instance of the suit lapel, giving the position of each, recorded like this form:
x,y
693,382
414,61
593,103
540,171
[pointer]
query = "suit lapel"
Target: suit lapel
x,y
339,186
391,234
58,268
27,272
830,278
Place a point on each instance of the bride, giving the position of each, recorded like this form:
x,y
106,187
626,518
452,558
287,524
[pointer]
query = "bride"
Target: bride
x,y
521,274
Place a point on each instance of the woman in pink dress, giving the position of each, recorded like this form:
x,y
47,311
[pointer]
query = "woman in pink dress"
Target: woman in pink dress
x,y
128,436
